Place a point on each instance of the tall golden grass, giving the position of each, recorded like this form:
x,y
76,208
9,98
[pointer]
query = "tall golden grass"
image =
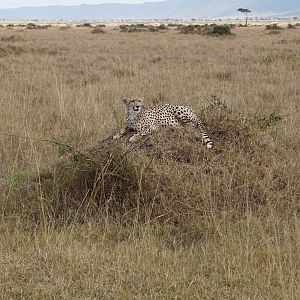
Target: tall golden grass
x,y
164,218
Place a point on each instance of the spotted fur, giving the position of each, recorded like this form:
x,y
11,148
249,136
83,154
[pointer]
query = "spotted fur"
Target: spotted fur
x,y
144,121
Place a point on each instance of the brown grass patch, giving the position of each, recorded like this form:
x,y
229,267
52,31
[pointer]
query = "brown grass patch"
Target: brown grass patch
x,y
162,218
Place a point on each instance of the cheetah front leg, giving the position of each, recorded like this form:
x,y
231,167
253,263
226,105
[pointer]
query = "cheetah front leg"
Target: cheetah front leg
x,y
119,134
140,134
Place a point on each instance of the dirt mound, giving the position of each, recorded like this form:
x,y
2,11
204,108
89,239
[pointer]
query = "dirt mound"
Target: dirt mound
x,y
170,177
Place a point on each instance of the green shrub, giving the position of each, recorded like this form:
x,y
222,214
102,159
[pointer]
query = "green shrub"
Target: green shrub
x,y
16,179
220,30
291,26
134,29
31,26
186,29
206,29
141,28
268,120
123,27
162,27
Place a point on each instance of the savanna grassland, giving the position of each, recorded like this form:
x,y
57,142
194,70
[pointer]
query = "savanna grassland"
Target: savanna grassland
x,y
166,218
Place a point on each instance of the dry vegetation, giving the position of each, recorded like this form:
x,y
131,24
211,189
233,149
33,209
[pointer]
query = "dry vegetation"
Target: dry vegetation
x,y
164,218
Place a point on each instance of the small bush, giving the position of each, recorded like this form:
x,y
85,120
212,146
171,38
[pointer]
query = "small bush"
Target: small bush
x,y
186,29
44,26
35,26
291,26
87,25
100,25
134,29
172,25
273,27
269,120
31,26
98,30
206,29
162,27
141,28
221,30
153,28
16,179
65,27
123,28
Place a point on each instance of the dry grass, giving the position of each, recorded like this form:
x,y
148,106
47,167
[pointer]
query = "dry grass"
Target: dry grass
x,y
167,218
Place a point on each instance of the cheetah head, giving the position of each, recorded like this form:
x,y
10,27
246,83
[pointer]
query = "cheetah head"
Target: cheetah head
x,y
133,104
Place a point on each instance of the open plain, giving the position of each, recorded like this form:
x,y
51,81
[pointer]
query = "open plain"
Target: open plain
x,y
173,222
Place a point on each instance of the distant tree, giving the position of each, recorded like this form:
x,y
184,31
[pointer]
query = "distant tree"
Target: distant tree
x,y
245,11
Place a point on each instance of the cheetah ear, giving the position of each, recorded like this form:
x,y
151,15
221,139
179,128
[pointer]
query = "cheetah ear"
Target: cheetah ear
x,y
125,99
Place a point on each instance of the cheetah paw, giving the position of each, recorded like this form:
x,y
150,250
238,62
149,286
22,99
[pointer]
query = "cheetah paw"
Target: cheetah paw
x,y
132,139
209,145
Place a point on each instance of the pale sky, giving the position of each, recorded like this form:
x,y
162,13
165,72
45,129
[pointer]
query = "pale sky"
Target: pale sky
x,y
18,3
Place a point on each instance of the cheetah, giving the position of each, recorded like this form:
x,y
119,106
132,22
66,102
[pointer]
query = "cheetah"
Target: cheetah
x,y
143,121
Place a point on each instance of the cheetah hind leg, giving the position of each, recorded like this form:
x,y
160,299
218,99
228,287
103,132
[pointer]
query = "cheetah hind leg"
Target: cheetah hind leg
x,y
205,138
206,141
